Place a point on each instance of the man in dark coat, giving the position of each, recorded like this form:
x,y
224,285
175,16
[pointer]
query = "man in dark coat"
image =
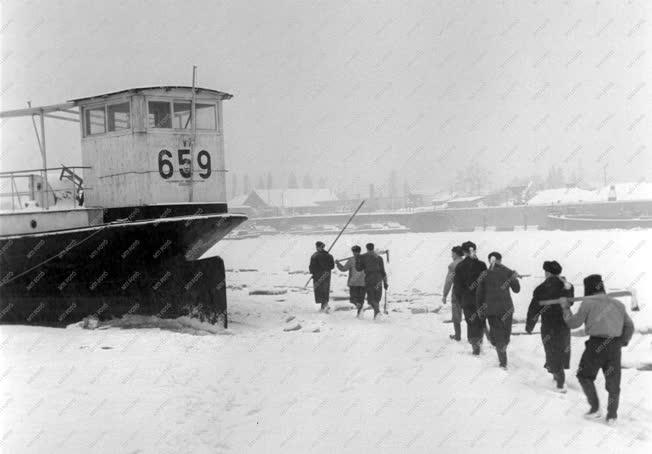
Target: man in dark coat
x,y
375,276
554,332
468,274
610,329
321,264
495,302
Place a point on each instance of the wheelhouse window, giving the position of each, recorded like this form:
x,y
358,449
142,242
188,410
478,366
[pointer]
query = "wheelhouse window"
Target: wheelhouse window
x,y
159,115
178,115
206,116
118,116
95,119
182,111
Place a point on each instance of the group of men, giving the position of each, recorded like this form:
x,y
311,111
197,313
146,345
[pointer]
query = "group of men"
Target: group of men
x,y
367,277
483,294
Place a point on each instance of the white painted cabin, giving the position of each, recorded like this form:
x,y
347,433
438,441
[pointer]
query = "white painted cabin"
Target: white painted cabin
x,y
143,156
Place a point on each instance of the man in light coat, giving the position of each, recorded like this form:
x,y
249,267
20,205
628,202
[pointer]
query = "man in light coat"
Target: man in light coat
x,y
610,329
456,309
356,281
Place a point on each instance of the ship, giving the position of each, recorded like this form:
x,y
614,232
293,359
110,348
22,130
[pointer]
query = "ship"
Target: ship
x,y
592,222
132,232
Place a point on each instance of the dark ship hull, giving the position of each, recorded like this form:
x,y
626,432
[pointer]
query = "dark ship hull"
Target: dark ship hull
x,y
117,268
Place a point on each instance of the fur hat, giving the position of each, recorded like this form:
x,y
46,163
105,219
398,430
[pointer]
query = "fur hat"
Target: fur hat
x,y
468,245
593,284
552,267
495,254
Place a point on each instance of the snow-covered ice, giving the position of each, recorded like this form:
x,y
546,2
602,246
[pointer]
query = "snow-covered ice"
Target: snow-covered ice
x,y
337,384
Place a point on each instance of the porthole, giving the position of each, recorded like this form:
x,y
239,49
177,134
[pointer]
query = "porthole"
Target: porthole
x,y
33,223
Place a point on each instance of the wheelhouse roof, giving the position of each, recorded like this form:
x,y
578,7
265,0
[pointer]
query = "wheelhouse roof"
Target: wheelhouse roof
x,y
220,94
72,104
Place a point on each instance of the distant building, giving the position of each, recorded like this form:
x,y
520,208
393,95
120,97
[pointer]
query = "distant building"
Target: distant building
x,y
562,196
509,196
283,202
465,202
239,205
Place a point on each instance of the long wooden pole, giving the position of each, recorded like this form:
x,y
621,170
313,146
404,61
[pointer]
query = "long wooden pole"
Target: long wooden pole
x,y
345,226
339,235
590,297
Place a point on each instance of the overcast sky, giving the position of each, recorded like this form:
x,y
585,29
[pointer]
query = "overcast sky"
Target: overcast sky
x,y
352,89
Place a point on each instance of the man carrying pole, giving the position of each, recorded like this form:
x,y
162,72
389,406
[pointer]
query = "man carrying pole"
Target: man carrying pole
x,y
555,335
609,328
321,264
468,274
375,276
494,300
356,281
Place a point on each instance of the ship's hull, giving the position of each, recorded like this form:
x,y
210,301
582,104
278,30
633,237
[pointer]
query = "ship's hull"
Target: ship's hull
x,y
146,267
597,223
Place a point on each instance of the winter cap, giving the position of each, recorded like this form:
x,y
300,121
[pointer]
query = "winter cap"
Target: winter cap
x,y
457,250
495,254
370,246
319,244
356,248
468,245
593,284
552,267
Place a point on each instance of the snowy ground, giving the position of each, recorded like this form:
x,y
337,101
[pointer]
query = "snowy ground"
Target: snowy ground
x,y
337,384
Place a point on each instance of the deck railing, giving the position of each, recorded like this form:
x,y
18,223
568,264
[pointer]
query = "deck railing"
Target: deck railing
x,y
42,188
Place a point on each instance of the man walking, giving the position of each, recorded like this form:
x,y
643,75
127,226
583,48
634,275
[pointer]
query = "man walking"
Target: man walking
x,y
609,328
456,309
375,276
468,274
356,281
555,335
495,302
321,264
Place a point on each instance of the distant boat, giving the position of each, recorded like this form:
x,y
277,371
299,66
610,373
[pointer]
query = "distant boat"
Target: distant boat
x,y
242,235
265,230
306,229
388,227
591,222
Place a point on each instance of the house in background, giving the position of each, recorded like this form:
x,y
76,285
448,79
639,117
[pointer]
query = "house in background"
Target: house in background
x,y
465,202
287,202
563,195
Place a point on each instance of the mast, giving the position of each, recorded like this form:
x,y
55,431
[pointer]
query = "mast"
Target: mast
x,y
45,162
41,146
194,132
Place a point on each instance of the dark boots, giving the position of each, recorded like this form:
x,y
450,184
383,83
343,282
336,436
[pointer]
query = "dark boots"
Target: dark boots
x,y
502,358
612,406
458,332
560,378
591,394
476,348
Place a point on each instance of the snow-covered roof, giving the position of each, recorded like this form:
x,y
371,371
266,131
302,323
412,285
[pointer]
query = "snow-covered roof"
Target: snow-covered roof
x,y
294,198
640,190
442,197
239,200
467,199
563,195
